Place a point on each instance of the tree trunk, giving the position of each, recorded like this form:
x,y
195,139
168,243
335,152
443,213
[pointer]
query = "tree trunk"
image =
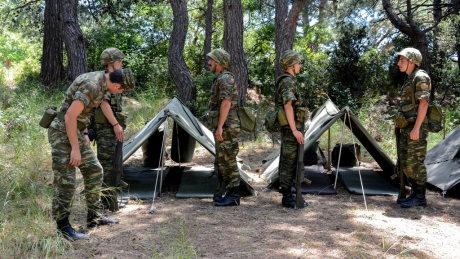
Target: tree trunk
x,y
233,43
285,28
281,12
412,30
178,69
208,33
74,39
51,65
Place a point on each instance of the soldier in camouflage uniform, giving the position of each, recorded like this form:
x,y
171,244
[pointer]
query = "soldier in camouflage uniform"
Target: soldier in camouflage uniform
x,y
413,139
110,124
68,136
224,100
289,99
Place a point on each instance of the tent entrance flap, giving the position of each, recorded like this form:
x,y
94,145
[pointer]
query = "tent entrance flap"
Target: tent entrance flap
x,y
142,181
372,182
321,182
196,183
182,146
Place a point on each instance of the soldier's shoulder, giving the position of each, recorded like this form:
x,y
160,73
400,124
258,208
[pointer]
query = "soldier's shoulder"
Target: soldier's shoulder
x,y
227,77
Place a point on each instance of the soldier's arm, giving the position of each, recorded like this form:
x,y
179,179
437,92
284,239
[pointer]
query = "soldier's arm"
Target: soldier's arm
x,y
224,109
71,115
422,109
107,110
290,118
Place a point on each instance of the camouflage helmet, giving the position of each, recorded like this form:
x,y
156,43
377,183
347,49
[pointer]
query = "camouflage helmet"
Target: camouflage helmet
x,y
220,56
111,55
289,58
128,78
412,54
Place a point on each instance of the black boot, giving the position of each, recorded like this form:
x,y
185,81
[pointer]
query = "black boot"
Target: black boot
x,y
96,219
411,195
68,232
289,200
231,198
419,198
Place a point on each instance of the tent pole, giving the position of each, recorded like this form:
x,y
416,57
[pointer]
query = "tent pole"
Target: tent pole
x,y
340,150
359,162
160,164
329,149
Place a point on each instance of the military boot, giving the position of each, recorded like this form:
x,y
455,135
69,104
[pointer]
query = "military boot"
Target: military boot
x,y
409,198
97,219
68,232
289,200
231,198
419,198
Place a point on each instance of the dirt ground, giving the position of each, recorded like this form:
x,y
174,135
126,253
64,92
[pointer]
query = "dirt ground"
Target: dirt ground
x,y
332,226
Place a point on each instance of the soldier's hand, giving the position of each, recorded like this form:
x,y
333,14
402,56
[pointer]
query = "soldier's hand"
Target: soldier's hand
x,y
299,136
218,134
414,134
118,129
75,158
88,140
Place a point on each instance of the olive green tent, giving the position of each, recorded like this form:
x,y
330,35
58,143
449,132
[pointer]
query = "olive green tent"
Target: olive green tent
x,y
186,131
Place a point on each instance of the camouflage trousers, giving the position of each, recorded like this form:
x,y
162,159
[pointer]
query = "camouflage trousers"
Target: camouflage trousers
x,y
413,153
288,158
227,150
65,182
106,143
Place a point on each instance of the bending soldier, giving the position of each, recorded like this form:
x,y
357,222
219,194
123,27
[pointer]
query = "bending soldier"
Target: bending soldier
x,y
224,102
68,136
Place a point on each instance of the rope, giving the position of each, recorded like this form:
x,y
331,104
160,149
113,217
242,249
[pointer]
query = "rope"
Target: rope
x,y
359,162
160,164
340,151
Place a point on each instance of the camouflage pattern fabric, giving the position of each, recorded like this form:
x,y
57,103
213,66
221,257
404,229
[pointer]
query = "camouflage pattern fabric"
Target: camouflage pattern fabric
x,y
224,87
289,58
88,88
288,158
128,78
412,54
107,140
111,55
220,56
422,83
65,182
413,153
287,91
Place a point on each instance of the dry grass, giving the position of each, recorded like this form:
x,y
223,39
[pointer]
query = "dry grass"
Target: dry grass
x,y
333,226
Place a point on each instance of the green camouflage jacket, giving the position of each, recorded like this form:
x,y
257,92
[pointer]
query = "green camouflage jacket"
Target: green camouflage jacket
x,y
90,89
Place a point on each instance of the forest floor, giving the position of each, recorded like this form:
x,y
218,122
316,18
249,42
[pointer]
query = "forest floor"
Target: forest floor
x,y
332,226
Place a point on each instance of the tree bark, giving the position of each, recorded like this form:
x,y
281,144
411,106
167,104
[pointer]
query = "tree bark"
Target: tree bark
x,y
51,70
233,43
74,39
208,33
178,69
285,28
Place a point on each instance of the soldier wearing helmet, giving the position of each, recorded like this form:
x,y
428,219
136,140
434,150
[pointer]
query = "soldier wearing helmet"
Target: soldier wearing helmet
x,y
70,144
110,125
224,104
289,100
415,94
